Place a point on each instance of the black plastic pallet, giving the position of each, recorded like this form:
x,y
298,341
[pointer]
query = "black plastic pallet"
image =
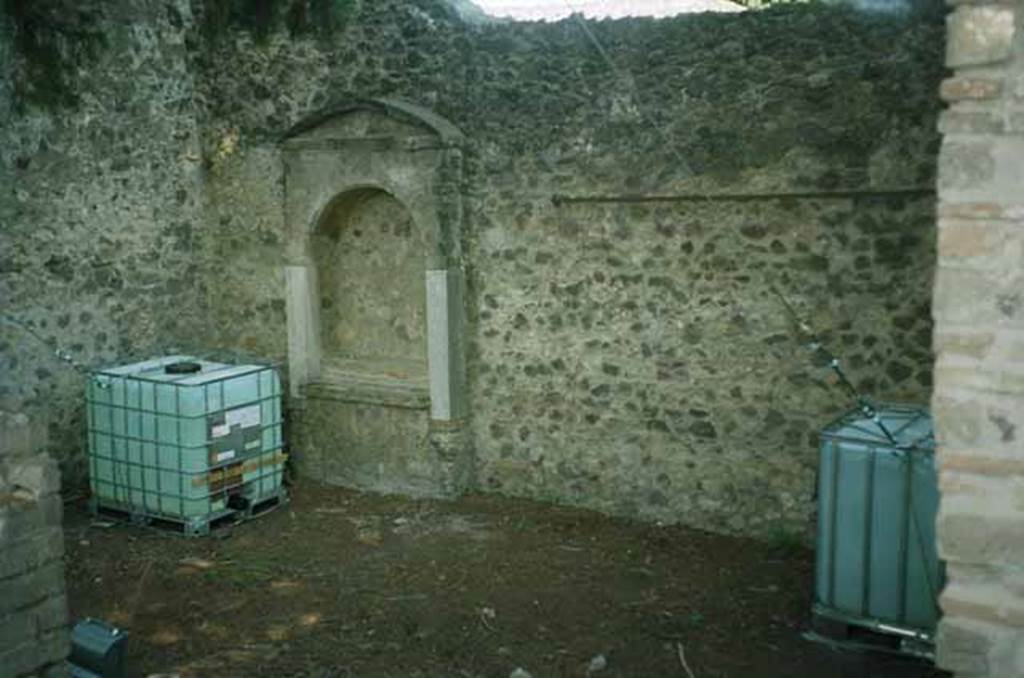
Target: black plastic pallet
x,y
264,505
194,527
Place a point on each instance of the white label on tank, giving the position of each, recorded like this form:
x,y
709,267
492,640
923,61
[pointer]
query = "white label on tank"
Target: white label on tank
x,y
243,416
224,456
219,430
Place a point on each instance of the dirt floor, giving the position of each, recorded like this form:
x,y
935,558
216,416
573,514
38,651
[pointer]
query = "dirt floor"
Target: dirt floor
x,y
339,583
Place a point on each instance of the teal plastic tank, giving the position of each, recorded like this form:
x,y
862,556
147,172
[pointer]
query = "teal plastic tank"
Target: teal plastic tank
x,y
877,562
184,439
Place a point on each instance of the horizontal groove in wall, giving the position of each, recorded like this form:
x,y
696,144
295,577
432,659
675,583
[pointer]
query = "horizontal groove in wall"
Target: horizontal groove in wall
x,y
558,199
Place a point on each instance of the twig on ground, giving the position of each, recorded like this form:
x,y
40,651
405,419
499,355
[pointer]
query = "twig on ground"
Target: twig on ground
x,y
484,614
408,596
137,598
682,660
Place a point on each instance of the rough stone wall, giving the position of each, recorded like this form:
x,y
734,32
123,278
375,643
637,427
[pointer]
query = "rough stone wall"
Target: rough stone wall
x,y
149,215
979,342
630,357
99,212
33,606
638,363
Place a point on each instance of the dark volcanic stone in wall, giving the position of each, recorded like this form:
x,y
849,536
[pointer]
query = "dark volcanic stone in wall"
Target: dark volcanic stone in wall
x,y
703,95
625,357
99,217
631,357
658,362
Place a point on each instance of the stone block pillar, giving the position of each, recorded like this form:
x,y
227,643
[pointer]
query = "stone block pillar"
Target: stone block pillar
x,y
979,342
444,349
34,636
303,326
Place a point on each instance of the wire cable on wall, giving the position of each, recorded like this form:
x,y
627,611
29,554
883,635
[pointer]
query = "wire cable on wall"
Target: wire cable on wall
x,y
628,83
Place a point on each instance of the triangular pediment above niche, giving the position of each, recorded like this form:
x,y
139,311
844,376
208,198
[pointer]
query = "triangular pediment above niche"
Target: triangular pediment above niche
x,y
356,124
374,118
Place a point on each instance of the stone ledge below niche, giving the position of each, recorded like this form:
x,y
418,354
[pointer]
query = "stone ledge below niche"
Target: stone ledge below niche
x,y
388,382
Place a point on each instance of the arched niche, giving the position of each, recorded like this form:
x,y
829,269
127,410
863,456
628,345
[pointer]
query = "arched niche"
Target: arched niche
x,y
369,255
356,166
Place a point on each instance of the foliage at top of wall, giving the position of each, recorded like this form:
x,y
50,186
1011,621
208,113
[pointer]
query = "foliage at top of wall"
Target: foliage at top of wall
x,y
263,17
759,4
50,38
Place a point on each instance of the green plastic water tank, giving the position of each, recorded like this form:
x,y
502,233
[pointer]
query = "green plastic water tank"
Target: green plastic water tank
x,y
184,439
877,562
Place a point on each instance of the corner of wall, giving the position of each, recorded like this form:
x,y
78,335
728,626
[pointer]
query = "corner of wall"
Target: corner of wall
x,y
979,341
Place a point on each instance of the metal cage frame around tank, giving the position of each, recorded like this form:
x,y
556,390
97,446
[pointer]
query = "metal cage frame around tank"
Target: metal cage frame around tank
x,y
144,513
876,442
